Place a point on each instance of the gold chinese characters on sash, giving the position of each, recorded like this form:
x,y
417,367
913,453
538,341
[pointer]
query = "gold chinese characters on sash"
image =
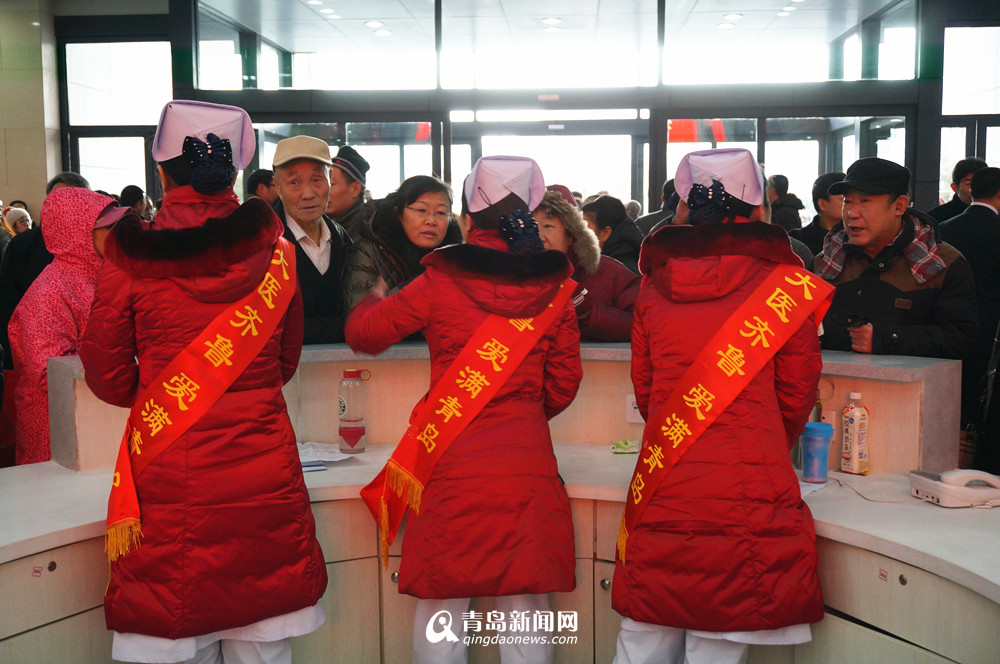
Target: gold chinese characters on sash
x,y
744,344
492,355
190,385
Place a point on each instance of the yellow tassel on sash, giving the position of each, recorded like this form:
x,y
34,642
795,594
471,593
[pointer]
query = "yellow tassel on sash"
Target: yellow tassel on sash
x,y
122,537
383,533
405,485
622,538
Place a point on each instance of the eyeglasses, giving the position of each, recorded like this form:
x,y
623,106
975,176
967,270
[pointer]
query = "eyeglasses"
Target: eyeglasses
x,y
438,215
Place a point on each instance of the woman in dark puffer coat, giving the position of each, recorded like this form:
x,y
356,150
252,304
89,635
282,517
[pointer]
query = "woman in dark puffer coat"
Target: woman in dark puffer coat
x,y
228,557
410,223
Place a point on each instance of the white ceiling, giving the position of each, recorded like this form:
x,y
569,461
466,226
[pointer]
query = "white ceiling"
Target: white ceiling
x,y
297,26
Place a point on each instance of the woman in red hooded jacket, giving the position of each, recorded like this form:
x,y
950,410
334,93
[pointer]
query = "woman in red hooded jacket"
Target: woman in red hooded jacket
x,y
50,319
228,566
724,554
494,519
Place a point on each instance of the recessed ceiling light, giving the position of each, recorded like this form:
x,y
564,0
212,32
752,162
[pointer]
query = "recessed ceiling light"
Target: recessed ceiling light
x,y
374,24
326,11
314,2
552,20
382,33
788,9
35,23
798,0
552,30
726,26
333,16
784,13
733,17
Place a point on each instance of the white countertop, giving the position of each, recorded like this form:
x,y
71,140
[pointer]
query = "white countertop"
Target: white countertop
x,y
44,506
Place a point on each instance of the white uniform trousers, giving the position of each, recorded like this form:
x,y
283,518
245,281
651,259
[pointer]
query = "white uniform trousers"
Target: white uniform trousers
x,y
644,643
448,651
231,651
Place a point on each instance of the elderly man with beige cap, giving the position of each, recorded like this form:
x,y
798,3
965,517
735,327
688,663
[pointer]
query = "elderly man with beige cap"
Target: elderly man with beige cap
x,y
302,171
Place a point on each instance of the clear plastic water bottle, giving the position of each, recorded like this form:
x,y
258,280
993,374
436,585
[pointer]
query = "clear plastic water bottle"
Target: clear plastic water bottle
x,y
352,412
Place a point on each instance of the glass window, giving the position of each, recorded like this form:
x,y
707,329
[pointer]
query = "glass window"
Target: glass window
x,y
268,68
952,151
587,164
353,46
897,49
892,146
220,65
849,148
852,58
798,161
971,71
992,145
123,83
548,43
690,135
112,163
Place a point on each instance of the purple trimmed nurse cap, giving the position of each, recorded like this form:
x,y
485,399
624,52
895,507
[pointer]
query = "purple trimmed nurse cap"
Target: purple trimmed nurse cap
x,y
735,168
182,118
493,178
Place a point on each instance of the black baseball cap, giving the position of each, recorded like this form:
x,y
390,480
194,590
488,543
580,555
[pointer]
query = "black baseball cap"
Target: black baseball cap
x,y
874,176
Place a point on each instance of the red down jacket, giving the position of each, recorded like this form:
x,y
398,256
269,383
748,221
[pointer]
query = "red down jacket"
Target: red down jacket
x,y
228,535
726,543
494,518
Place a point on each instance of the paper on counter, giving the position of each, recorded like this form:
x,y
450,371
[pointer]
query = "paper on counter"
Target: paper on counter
x,y
321,452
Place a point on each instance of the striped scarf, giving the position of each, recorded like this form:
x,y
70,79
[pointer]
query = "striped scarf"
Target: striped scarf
x,y
921,253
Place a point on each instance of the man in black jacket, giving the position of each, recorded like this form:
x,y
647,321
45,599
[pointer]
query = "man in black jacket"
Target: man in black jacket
x,y
900,291
961,179
976,233
302,171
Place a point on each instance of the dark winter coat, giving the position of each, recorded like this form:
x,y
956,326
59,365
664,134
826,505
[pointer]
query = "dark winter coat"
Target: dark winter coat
x,y
228,534
946,211
976,233
623,244
785,212
935,319
322,294
726,543
383,250
494,516
811,235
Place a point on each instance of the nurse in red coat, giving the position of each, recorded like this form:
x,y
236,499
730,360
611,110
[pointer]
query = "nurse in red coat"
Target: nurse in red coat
x,y
494,518
724,554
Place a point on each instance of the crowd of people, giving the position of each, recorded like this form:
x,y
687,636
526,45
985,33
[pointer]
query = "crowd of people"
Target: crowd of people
x,y
199,288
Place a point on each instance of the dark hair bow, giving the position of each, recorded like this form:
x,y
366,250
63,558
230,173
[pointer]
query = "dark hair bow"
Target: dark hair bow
x,y
520,230
214,149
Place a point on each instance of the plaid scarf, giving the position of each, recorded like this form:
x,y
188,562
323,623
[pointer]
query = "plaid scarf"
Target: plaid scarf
x,y
921,253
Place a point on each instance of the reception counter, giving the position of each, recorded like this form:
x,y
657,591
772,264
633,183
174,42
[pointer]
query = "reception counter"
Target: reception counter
x,y
904,581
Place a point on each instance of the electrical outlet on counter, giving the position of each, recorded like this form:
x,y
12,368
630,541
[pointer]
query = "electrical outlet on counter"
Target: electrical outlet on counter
x,y
632,410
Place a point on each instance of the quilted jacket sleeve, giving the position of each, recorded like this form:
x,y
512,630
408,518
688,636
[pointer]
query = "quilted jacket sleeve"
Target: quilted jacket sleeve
x,y
291,338
613,321
32,346
797,368
563,371
953,328
642,365
376,323
108,350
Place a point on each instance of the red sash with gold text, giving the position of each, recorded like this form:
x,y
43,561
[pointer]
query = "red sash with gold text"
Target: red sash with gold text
x,y
744,344
190,385
492,355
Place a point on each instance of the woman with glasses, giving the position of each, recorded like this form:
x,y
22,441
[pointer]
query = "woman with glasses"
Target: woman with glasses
x,y
409,224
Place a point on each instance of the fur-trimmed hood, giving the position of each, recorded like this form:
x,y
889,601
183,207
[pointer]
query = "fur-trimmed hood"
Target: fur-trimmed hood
x,y
221,256
498,281
708,261
585,252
